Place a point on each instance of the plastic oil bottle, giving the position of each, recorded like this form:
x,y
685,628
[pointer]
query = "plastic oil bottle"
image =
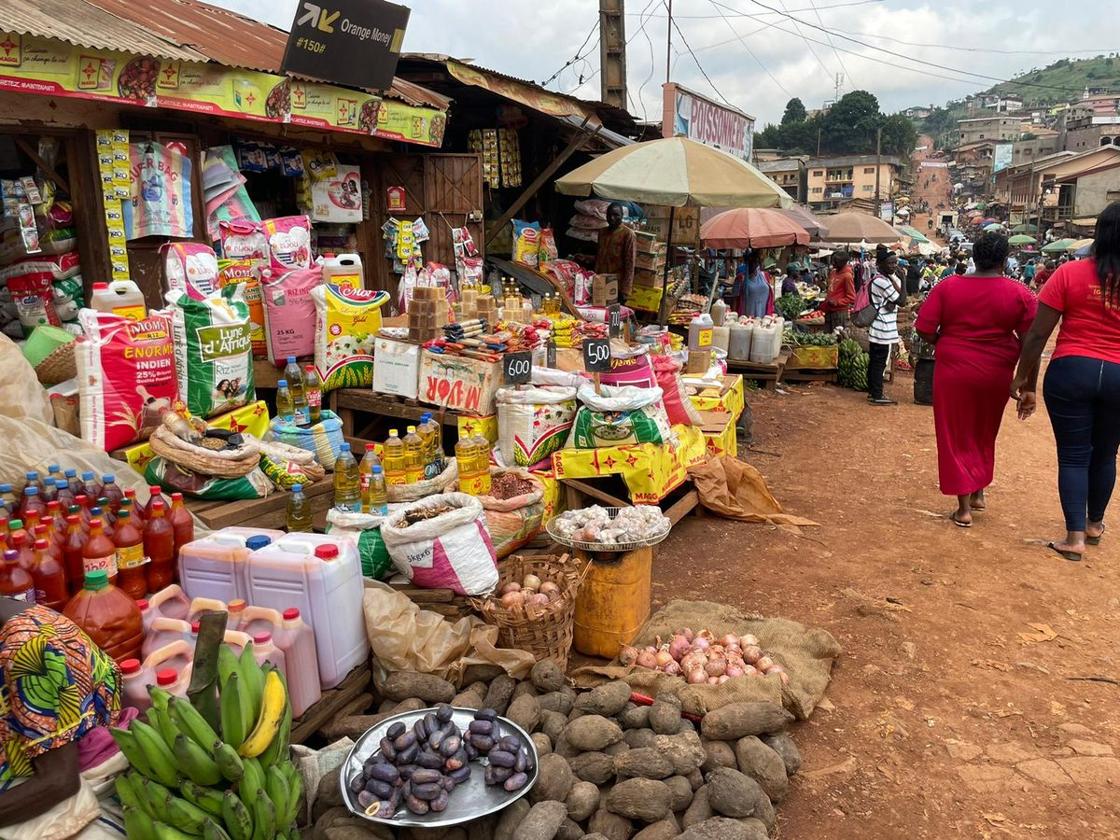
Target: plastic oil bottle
x,y
347,486
299,511
430,432
482,468
413,457
393,460
467,460
313,388
365,468
285,407
376,499
294,377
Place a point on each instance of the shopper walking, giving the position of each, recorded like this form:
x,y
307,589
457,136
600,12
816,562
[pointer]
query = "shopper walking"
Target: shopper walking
x,y
1082,384
885,293
976,322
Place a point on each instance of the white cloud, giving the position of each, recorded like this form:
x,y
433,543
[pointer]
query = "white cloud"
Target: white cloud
x,y
533,40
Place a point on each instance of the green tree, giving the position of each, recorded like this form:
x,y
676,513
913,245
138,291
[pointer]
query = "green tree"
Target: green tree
x,y
899,136
768,138
795,112
849,126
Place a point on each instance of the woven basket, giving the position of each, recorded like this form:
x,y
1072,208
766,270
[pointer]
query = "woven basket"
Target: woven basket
x,y
544,631
227,464
59,366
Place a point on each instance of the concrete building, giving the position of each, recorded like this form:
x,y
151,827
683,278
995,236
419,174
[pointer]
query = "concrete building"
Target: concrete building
x,y
833,181
1045,142
975,129
1085,192
1090,123
1002,104
789,174
1047,188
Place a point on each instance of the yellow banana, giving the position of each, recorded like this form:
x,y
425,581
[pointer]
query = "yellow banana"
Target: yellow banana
x,y
252,682
277,750
273,703
233,706
195,764
156,752
192,724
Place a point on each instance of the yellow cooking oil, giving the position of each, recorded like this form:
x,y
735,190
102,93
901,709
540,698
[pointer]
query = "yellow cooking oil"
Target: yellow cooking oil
x,y
393,460
413,456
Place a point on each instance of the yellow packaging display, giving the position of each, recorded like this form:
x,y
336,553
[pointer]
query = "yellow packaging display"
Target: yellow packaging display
x,y
471,426
552,500
645,298
725,441
346,324
650,472
251,418
730,399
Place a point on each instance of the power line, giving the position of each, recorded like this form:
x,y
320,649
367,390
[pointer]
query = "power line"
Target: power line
x,y
744,14
699,66
809,46
955,47
835,51
576,57
747,47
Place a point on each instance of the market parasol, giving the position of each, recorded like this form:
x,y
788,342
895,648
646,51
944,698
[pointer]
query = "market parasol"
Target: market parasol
x,y
816,227
1077,244
988,222
859,227
1058,246
1022,239
1025,228
916,236
1084,250
992,227
752,227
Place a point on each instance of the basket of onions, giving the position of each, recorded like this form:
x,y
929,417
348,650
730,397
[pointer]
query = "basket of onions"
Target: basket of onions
x,y
702,658
534,605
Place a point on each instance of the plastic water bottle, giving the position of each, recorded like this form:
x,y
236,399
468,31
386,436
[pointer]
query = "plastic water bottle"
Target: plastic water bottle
x,y
285,408
347,486
299,511
378,494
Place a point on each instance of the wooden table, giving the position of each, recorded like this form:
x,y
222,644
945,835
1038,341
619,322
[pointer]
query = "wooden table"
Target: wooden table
x,y
350,403
269,512
768,375
333,704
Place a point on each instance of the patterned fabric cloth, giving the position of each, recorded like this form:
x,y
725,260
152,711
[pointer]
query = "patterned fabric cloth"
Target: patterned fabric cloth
x,y
55,686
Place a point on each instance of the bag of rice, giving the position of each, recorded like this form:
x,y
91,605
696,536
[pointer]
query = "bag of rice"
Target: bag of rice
x,y
289,312
245,274
243,239
618,416
526,242
347,321
126,376
289,242
190,267
533,423
213,351
548,251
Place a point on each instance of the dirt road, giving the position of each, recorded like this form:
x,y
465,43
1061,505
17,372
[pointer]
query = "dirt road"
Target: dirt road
x,y
932,187
961,706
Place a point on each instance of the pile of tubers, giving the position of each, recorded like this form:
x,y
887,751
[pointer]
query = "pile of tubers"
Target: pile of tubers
x,y
702,658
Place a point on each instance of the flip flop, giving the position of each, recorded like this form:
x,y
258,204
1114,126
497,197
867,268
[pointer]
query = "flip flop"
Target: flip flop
x,y
957,522
1066,553
1094,540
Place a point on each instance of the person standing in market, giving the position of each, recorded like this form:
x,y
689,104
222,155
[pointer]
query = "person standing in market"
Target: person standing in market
x,y
755,296
976,322
1082,384
1043,273
841,292
885,294
618,251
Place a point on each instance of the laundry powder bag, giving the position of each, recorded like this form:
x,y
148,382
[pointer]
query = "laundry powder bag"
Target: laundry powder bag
x,y
213,351
347,321
126,376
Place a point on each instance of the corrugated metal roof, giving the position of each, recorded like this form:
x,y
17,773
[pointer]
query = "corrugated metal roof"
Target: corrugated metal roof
x,y
83,24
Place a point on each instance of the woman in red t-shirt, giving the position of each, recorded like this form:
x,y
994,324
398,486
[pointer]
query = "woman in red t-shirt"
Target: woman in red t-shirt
x,y
1082,385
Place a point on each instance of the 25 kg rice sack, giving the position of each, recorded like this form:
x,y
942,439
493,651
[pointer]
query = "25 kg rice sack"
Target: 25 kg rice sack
x,y
533,423
126,376
289,312
289,242
213,352
347,321
618,416
190,267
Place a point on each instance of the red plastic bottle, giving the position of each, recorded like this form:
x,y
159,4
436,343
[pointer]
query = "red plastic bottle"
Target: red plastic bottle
x,y
108,616
32,519
155,494
72,553
21,544
159,545
15,581
31,502
45,532
108,513
50,578
130,556
139,514
112,491
5,529
82,501
99,553
64,497
182,522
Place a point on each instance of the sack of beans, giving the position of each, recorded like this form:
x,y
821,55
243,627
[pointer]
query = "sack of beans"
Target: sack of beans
x,y
514,509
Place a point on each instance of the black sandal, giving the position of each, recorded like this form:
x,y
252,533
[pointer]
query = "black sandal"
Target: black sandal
x,y
1064,552
1094,540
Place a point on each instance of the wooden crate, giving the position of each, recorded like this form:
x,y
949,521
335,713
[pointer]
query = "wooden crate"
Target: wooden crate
x,y
446,602
333,703
269,512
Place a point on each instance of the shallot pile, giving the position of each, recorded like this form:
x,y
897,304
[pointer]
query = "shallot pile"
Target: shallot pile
x,y
531,591
594,524
702,658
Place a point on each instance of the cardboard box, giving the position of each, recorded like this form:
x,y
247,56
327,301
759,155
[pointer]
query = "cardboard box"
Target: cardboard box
x,y
699,361
650,278
396,367
604,290
645,298
459,383
653,262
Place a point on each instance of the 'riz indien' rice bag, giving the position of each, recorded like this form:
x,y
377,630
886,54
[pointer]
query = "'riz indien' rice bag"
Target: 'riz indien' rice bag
x,y
126,376
347,321
213,351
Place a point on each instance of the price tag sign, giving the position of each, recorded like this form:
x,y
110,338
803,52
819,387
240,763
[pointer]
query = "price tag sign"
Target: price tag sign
x,y
597,355
517,367
614,320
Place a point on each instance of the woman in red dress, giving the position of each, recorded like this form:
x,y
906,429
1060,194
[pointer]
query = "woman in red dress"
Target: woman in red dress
x,y
977,322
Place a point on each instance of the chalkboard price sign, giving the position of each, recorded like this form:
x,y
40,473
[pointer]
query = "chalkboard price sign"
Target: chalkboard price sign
x,y
517,367
597,355
614,320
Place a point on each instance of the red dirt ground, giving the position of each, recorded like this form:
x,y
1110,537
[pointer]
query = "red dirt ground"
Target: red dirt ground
x,y
959,707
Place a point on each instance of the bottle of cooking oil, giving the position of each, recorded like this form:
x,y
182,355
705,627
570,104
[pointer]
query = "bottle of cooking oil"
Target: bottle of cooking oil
x,y
365,469
482,465
347,494
393,460
378,494
285,408
467,464
413,456
430,433
299,511
294,377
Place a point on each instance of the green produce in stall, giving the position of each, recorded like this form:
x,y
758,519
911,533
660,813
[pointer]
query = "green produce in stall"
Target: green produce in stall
x,y
790,306
852,369
189,778
802,338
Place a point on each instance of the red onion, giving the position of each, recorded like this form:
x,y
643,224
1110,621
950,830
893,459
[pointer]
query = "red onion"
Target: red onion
x,y
750,670
686,632
729,640
734,650
715,650
647,659
713,680
716,667
722,680
672,669
696,676
663,657
627,655
748,639
700,643
751,654
678,647
764,663
734,670
693,659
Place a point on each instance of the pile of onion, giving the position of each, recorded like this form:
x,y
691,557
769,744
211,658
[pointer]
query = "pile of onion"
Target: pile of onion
x,y
531,591
702,658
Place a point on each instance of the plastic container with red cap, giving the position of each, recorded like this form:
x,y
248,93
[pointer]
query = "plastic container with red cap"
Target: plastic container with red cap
x,y
265,651
163,632
297,640
173,681
135,685
321,576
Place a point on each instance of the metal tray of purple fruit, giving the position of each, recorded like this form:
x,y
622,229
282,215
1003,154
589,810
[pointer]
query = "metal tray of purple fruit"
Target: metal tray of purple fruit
x,y
438,767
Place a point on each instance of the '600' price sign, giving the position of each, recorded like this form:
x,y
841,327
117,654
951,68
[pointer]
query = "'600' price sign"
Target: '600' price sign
x,y
597,355
517,367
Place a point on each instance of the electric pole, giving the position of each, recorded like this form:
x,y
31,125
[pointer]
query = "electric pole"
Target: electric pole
x,y
669,42
612,52
839,85
878,169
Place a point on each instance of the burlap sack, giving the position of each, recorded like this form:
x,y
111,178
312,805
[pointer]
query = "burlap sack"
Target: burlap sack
x,y
806,653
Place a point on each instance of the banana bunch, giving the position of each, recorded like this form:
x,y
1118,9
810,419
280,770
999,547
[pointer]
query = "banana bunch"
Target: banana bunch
x,y
188,780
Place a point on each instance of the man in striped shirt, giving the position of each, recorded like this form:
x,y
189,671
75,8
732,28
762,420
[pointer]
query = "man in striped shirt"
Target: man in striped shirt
x,y
885,294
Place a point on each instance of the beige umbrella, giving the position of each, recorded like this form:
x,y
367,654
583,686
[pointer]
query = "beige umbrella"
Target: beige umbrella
x,y
859,227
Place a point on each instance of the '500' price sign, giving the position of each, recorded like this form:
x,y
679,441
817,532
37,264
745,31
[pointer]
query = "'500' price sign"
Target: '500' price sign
x,y
597,355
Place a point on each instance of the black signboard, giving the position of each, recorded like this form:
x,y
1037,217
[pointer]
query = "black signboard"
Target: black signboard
x,y
517,367
349,42
614,320
597,355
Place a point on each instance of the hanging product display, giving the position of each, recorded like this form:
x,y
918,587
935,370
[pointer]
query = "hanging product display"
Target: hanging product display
x,y
160,192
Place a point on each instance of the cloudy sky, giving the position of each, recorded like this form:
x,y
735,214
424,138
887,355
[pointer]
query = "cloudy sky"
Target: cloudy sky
x,y
756,58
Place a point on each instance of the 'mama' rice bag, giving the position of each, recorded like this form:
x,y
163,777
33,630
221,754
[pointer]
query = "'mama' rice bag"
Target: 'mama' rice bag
x,y
246,275
347,322
126,376
213,352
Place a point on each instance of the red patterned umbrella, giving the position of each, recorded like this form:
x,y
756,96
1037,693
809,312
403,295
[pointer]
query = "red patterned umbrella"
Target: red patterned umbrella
x,y
752,227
